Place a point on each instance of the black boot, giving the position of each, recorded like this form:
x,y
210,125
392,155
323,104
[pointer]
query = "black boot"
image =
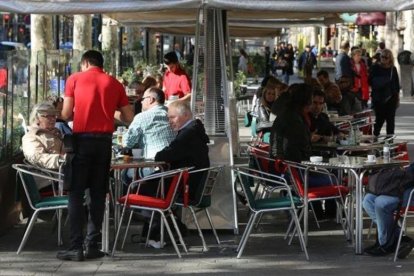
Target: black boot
x,y
376,244
72,254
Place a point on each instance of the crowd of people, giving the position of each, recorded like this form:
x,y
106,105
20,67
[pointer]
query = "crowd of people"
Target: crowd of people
x,y
299,120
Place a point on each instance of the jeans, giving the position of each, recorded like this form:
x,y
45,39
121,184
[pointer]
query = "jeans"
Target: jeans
x,y
381,210
90,169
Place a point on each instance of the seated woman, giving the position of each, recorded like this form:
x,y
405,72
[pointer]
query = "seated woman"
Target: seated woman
x,y
265,117
42,144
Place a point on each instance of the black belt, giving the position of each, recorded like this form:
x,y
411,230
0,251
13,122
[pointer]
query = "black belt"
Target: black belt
x,y
93,135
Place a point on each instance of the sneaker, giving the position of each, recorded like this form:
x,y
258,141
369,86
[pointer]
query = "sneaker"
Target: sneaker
x,y
406,247
93,252
72,254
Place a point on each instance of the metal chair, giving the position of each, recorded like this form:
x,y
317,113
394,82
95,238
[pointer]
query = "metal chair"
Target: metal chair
x,y
203,199
299,177
406,212
27,176
162,205
266,205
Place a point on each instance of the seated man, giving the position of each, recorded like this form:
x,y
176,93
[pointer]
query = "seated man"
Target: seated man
x,y
189,148
333,95
42,144
381,209
150,130
322,129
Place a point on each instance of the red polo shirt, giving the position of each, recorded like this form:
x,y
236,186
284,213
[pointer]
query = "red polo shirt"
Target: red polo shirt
x,y
96,97
176,83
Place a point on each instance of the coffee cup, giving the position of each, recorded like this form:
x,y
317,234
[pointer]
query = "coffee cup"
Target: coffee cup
x,y
137,153
371,158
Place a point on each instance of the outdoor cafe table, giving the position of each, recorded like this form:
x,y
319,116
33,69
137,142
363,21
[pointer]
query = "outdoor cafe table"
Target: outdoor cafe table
x,y
357,167
117,165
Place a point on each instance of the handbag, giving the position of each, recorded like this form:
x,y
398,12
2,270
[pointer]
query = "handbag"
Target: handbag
x,y
281,63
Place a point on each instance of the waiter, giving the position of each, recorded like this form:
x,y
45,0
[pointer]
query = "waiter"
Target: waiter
x,y
176,83
93,99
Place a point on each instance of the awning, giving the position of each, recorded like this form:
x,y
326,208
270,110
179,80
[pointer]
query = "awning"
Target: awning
x,y
114,6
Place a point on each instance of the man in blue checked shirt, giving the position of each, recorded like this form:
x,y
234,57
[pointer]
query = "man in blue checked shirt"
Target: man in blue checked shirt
x,y
150,129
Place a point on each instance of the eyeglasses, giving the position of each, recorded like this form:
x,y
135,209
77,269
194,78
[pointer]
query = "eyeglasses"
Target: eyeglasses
x,y
385,57
48,116
143,98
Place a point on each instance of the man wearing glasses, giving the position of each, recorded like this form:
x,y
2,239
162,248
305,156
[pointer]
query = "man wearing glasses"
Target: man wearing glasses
x,y
176,83
150,130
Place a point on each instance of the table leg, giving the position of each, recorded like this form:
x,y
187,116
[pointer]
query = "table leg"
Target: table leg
x,y
358,211
105,227
117,194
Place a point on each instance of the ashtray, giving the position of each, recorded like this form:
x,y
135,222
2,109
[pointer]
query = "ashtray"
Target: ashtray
x,y
316,158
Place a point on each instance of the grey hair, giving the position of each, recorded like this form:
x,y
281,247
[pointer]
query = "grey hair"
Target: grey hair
x,y
182,107
39,107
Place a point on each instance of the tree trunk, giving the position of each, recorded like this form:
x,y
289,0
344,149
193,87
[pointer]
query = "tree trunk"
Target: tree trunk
x,y
41,40
82,32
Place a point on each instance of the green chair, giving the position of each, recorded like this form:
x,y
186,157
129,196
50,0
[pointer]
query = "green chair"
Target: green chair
x,y
267,205
28,175
202,199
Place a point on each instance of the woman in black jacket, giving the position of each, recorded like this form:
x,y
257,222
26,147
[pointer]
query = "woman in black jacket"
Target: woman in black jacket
x,y
385,86
290,137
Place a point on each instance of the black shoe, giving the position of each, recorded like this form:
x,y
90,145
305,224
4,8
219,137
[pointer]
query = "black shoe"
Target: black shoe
x,y
369,248
406,247
379,251
72,254
93,252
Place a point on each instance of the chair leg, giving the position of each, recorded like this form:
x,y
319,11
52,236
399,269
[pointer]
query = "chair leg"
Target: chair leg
x,y
248,230
200,233
149,229
300,234
118,230
59,230
212,225
167,226
127,229
180,237
28,230
314,215
400,236
245,232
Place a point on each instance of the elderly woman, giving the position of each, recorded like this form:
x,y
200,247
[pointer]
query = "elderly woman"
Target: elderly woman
x,y
385,85
361,87
42,144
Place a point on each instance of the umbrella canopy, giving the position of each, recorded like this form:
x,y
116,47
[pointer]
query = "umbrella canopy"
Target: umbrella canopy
x,y
111,6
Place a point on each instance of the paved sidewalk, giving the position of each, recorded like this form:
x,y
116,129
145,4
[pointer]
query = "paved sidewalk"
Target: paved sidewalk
x,y
266,253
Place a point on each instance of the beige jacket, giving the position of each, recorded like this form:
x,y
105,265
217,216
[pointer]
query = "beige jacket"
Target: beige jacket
x,y
43,147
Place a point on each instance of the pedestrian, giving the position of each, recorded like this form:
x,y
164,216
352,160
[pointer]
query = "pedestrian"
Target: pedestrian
x,y
92,98
385,92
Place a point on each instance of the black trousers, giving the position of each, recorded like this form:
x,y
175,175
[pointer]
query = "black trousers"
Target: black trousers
x,y
90,169
385,112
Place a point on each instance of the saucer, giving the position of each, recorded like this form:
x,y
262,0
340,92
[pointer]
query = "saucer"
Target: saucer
x,y
370,162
